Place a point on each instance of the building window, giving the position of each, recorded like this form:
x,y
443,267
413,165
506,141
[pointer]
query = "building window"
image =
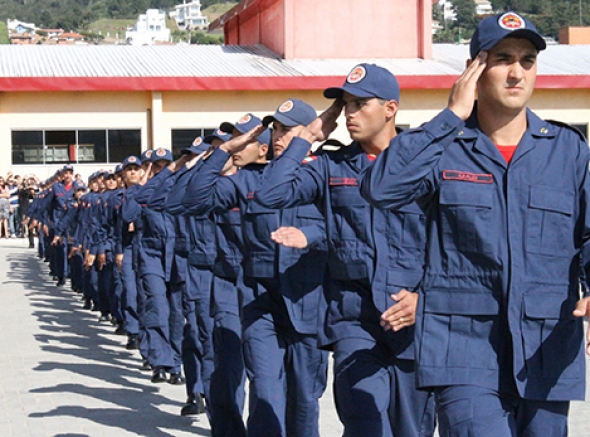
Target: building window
x,y
74,146
182,138
123,143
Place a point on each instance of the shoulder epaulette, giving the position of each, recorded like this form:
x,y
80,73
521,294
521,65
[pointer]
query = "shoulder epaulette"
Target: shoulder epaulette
x,y
568,126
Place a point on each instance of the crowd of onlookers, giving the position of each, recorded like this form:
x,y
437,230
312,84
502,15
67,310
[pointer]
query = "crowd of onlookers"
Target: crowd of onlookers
x,y
16,194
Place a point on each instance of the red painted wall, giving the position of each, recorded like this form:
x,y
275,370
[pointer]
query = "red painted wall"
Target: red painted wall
x,y
299,29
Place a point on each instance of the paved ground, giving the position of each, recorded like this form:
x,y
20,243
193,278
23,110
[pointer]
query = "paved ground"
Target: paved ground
x,y
64,374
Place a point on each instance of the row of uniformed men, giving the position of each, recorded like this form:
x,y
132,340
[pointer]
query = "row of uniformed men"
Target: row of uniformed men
x,y
203,278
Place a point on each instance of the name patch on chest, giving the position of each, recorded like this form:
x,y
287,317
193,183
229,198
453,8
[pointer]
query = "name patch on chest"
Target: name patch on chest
x,y
455,175
343,181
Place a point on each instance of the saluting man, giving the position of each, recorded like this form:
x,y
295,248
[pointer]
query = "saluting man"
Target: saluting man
x,y
499,327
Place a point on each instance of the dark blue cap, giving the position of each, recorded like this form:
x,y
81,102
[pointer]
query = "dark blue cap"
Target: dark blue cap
x,y
492,30
67,167
245,124
367,81
79,185
108,173
92,177
291,113
161,153
146,156
130,160
219,134
119,168
198,146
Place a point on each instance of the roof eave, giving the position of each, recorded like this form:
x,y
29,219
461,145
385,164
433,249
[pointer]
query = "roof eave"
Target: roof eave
x,y
241,83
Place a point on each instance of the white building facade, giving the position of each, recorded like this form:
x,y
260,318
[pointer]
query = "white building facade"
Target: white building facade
x,y
149,29
188,16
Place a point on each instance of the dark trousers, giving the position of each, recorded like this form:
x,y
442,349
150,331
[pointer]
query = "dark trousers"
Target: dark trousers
x,y
465,411
375,392
227,396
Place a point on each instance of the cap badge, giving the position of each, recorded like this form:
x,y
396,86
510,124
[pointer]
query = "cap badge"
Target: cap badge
x,y
132,159
160,152
197,141
357,75
148,153
286,107
511,21
245,119
220,132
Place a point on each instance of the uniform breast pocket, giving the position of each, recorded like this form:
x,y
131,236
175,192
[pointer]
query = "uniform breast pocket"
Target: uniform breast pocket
x,y
466,216
413,233
309,215
549,221
261,221
349,209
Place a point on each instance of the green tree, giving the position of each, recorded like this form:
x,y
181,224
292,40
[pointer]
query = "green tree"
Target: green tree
x,y
466,17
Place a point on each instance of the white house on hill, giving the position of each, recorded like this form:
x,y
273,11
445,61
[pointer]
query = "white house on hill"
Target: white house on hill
x,y
189,16
149,29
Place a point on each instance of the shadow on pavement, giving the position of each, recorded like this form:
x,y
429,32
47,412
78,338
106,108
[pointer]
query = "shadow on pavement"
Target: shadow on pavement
x,y
84,347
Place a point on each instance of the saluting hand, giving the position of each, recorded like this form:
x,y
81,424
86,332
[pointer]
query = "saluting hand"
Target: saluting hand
x,y
146,174
464,90
240,142
321,128
119,261
403,313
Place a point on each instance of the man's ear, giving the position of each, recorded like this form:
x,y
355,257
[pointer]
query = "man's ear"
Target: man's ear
x,y
262,151
391,107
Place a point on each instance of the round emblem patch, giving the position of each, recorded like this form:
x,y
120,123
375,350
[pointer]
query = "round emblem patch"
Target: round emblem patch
x,y
220,132
148,154
132,159
245,119
160,152
286,107
357,75
197,141
511,21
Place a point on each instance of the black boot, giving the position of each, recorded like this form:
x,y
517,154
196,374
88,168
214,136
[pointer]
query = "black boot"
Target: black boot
x,y
158,375
120,329
132,342
194,405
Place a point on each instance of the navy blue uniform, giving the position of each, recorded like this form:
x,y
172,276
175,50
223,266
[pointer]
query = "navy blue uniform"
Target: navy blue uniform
x,y
502,277
194,257
55,202
280,300
156,255
134,298
372,255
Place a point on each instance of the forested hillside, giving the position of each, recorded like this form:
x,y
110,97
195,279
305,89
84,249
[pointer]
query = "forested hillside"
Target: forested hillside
x,y
77,14
548,15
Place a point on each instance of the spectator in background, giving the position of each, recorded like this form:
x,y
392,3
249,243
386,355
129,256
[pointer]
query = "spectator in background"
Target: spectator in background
x,y
14,216
27,190
4,208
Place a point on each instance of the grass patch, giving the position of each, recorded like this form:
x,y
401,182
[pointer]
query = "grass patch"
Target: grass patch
x,y
215,11
105,27
4,33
